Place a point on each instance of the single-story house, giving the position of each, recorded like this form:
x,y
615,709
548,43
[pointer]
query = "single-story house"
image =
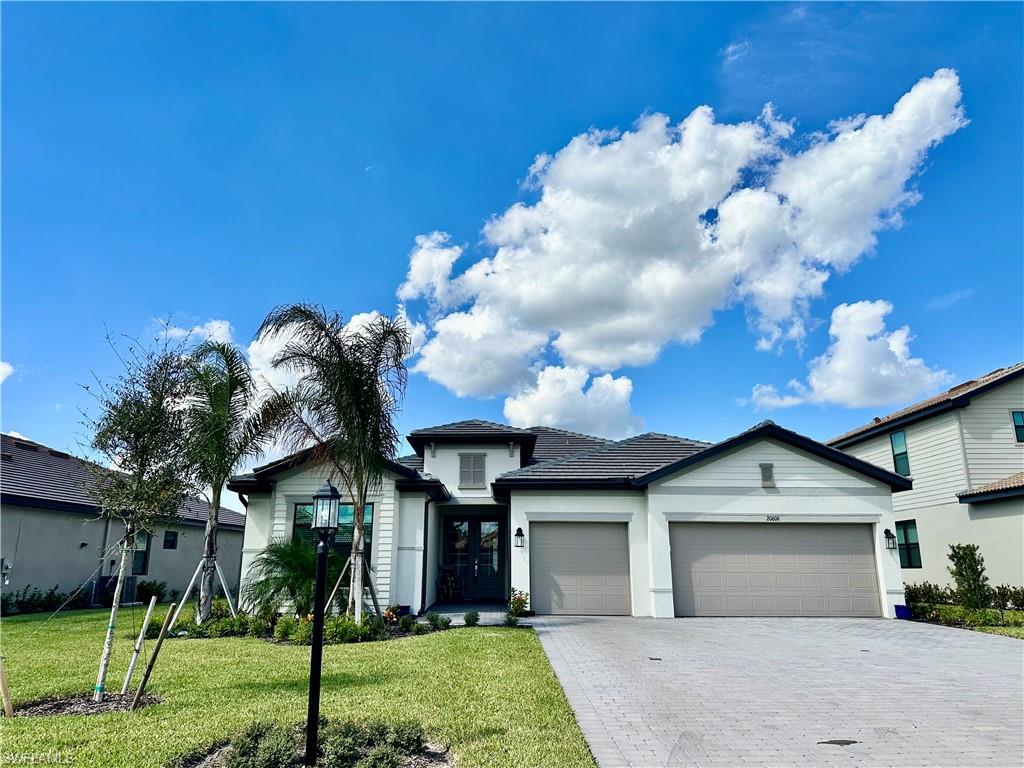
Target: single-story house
x,y
766,523
52,533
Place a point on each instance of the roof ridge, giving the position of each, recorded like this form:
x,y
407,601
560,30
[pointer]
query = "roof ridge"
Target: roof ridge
x,y
469,421
569,432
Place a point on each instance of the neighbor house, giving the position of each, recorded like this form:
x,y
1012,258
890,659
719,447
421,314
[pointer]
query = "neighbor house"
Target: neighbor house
x,y
52,533
964,450
766,523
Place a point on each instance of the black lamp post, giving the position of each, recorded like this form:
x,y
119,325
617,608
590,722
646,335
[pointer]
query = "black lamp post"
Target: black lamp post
x,y
325,523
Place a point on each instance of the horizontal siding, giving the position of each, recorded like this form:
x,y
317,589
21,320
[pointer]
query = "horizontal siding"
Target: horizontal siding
x,y
992,449
792,469
936,461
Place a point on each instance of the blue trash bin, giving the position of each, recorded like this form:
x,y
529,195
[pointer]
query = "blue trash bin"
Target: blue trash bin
x,y
902,611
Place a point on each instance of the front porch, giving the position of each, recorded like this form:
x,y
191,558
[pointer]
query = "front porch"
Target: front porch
x,y
491,613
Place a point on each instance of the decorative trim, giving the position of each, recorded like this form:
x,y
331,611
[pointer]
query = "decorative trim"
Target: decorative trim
x,y
661,590
784,518
579,517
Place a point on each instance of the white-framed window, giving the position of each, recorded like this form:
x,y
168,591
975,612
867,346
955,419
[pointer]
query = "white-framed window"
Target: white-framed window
x,y
471,470
1018,425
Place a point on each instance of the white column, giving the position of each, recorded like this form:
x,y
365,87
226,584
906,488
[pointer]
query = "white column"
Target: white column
x,y
660,556
519,557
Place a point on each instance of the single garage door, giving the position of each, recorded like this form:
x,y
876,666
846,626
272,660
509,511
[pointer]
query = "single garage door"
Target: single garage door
x,y
579,568
783,569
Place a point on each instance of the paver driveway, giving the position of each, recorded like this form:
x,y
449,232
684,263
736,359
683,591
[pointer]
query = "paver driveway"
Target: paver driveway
x,y
738,692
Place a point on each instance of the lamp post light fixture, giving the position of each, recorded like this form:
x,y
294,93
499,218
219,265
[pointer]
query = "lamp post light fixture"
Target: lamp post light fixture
x,y
325,522
520,538
890,539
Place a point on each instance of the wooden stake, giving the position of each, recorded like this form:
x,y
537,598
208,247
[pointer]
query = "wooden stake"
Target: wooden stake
x,y
152,659
330,600
8,709
373,592
138,646
187,592
224,585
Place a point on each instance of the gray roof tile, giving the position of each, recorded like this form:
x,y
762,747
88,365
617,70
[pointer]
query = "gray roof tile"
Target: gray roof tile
x,y
44,474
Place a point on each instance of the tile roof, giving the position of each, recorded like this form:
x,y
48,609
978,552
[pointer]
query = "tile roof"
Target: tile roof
x,y
412,462
553,444
624,459
1011,483
472,427
34,471
950,397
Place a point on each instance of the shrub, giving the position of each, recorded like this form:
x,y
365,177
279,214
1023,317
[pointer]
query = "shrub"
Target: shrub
x,y
1004,597
285,627
968,572
472,618
518,602
420,629
30,599
929,593
407,622
437,621
511,619
150,588
382,756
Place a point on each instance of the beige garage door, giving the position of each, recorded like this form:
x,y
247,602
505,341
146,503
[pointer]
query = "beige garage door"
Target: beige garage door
x,y
784,569
579,568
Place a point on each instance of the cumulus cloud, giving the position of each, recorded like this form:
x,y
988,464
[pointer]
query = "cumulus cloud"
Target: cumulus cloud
x,y
211,330
863,366
560,398
636,239
6,369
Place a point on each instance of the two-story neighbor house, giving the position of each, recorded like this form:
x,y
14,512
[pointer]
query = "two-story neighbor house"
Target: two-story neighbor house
x,y
766,523
52,533
964,450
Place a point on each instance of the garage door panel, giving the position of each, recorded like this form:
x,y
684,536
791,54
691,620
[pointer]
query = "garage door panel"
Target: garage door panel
x,y
579,568
737,569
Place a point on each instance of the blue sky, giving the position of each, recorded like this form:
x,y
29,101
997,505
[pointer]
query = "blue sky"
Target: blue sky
x,y
210,161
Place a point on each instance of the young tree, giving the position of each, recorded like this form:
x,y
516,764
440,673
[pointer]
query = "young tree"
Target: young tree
x,y
224,428
350,385
139,433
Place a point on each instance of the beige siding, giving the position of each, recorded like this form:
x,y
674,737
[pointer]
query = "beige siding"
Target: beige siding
x,y
989,441
936,461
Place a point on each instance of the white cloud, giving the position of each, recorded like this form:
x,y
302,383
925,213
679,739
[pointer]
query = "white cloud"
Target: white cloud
x,y
6,369
211,330
735,51
559,399
863,366
636,239
947,300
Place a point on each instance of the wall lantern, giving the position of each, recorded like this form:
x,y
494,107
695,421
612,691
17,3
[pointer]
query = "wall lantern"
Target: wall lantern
x,y
520,538
890,539
325,508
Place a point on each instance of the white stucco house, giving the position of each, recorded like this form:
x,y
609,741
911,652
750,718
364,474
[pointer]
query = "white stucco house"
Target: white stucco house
x,y
964,450
766,523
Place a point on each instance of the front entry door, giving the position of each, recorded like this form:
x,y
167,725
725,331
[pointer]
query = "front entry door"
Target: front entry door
x,y
472,552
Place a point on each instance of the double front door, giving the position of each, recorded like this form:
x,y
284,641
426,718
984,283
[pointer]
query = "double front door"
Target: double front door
x,y
473,557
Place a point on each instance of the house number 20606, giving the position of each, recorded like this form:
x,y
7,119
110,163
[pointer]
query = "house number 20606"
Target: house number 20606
x,y
773,518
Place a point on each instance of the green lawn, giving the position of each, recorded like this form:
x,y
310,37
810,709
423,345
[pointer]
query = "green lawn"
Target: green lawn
x,y
1008,631
487,692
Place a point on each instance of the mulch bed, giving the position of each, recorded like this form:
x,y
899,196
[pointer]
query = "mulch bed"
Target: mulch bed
x,y
82,705
432,756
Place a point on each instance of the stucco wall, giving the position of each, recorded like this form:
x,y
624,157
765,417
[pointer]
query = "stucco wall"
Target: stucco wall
x,y
45,549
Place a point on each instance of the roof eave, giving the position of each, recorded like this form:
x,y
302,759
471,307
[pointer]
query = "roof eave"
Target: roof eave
x,y
420,440
981,498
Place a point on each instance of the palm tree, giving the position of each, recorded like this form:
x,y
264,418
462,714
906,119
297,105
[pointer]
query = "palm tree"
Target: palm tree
x,y
350,385
224,429
284,573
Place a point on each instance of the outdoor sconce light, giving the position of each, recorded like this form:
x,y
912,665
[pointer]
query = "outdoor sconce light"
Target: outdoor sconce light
x,y
520,538
890,539
325,508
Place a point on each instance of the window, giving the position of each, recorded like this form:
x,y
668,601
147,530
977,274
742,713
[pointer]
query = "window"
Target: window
x,y
170,539
1018,425
140,557
346,527
767,475
900,460
471,470
910,549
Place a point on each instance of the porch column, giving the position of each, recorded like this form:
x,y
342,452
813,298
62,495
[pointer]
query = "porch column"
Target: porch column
x,y
519,557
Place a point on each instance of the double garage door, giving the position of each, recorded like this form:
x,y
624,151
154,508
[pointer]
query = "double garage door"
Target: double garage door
x,y
789,569
718,569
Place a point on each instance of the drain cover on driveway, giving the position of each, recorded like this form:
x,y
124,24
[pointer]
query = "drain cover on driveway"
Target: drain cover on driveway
x,y
839,742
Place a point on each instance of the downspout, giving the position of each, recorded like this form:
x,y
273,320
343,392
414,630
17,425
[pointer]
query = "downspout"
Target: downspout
x,y
423,585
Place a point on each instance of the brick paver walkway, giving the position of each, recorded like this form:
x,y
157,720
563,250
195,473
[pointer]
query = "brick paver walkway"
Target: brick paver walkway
x,y
765,692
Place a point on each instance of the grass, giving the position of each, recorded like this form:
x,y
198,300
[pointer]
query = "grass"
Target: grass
x,y
1017,632
487,692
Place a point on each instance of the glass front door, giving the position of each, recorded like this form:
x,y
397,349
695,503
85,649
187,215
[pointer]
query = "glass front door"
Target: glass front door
x,y
472,562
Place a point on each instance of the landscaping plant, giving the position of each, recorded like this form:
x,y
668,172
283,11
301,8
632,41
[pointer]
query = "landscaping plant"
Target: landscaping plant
x,y
342,408
145,474
224,429
518,602
968,572
284,574
437,621
471,619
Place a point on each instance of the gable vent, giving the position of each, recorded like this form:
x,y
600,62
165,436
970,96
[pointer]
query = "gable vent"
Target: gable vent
x,y
767,475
